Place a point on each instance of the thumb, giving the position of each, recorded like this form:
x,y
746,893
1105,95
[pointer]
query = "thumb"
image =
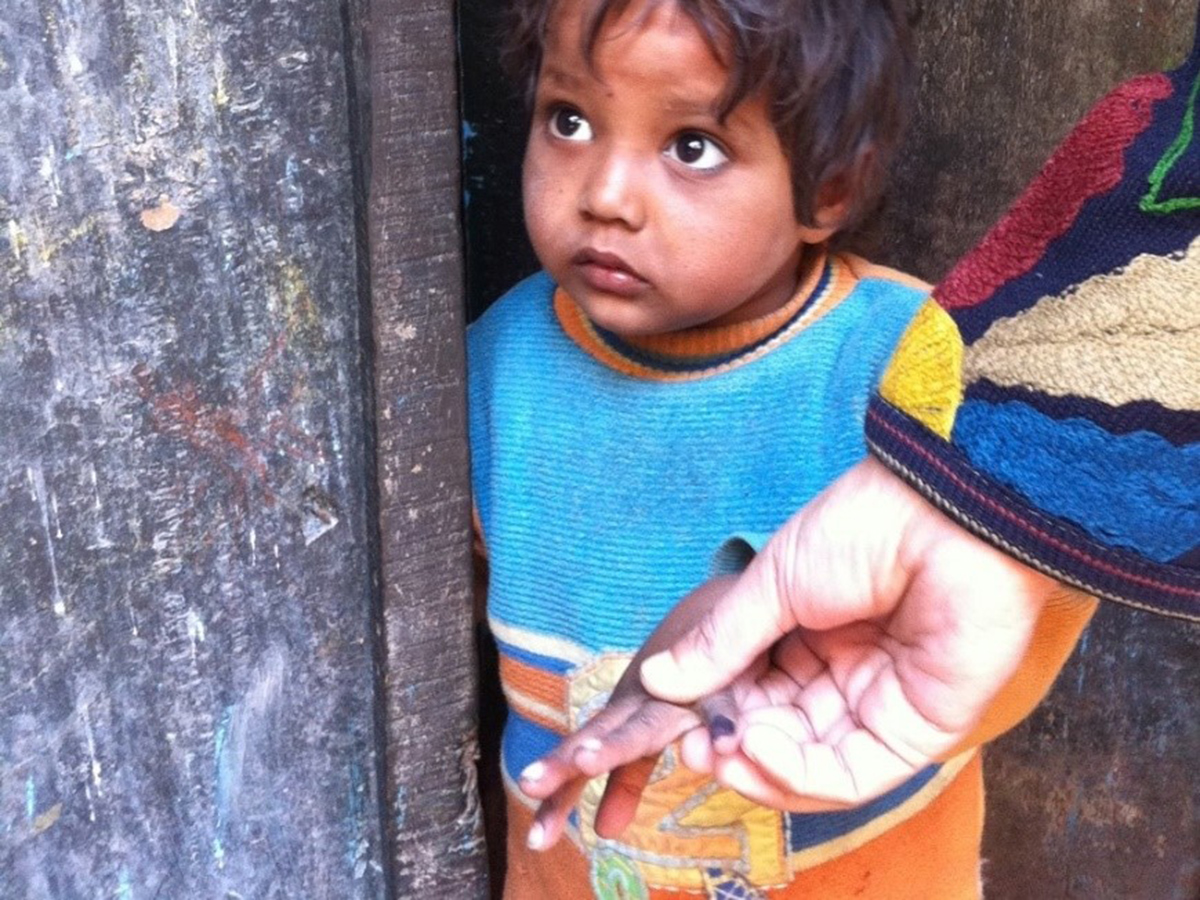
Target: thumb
x,y
751,616
833,562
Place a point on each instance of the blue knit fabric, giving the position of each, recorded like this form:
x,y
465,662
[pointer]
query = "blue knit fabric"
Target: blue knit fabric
x,y
1065,467
603,497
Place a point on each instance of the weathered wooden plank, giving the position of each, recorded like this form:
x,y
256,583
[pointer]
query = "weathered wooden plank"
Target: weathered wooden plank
x,y
185,649
424,504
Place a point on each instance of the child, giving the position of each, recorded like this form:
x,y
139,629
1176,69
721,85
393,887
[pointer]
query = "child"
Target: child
x,y
693,363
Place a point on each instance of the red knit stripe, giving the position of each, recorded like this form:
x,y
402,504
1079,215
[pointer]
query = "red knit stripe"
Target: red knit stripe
x,y
1088,163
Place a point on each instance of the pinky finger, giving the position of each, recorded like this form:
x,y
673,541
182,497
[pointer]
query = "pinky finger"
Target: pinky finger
x,y
551,816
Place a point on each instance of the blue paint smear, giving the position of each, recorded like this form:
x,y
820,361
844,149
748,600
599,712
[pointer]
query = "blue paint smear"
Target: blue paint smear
x,y
401,806
354,815
222,786
124,888
1080,655
30,798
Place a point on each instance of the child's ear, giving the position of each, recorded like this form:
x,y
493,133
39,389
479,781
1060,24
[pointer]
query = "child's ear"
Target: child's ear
x,y
833,202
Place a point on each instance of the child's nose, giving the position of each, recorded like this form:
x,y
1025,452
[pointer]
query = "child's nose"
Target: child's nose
x,y
613,192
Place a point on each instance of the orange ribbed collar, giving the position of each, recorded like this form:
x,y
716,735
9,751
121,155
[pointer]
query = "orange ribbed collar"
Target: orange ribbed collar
x,y
707,350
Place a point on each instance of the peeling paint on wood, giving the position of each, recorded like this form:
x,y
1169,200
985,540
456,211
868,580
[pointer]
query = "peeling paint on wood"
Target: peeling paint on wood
x,y
186,671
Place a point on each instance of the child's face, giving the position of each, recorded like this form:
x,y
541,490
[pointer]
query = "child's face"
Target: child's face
x,y
651,213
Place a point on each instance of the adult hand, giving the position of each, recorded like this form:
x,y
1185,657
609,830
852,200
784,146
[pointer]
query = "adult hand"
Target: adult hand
x,y
627,735
890,628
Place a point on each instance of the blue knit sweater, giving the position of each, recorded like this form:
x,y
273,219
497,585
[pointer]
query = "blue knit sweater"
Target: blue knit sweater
x,y
605,476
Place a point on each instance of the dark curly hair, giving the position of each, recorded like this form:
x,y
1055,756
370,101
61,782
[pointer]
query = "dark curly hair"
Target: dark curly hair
x,y
839,75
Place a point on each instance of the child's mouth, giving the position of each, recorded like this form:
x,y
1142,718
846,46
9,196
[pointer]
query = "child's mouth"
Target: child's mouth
x,y
608,273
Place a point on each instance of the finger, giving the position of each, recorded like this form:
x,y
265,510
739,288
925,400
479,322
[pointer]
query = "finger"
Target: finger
x,y
823,705
723,711
696,751
721,716
751,616
551,817
793,655
544,776
624,790
739,774
649,728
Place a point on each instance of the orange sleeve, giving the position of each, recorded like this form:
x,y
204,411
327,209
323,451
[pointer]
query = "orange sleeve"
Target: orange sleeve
x,y
1062,621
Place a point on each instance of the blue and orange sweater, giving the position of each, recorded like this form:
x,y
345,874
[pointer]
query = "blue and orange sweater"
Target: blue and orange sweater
x,y
605,475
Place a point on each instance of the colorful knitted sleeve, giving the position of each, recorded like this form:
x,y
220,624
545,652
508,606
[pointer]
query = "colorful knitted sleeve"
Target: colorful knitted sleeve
x,y
1076,443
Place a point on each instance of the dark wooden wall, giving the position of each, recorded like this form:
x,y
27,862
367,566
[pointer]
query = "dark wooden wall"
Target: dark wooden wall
x,y
1096,795
204,689
185,656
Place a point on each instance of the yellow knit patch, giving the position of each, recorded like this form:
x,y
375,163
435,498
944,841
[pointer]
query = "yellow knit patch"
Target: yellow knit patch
x,y
924,377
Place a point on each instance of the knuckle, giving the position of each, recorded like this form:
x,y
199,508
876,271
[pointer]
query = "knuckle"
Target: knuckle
x,y
709,637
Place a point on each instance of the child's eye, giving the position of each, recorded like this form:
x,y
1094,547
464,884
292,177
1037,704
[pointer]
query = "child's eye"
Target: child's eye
x,y
697,151
568,123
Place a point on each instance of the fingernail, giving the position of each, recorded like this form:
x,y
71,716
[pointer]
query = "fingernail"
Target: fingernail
x,y
721,726
534,771
658,667
537,834
591,745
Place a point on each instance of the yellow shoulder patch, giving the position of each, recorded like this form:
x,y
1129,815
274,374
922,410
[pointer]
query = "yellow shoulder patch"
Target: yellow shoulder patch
x,y
924,377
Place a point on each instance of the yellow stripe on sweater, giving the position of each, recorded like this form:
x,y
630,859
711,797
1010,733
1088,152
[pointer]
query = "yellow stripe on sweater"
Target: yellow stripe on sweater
x,y
924,378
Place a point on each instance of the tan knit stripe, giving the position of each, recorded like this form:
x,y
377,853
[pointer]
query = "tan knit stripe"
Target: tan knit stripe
x,y
1133,334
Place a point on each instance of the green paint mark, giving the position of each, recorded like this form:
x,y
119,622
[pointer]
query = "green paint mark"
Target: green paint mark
x,y
1150,202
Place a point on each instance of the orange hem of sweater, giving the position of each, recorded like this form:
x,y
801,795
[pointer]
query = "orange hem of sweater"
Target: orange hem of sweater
x,y
933,854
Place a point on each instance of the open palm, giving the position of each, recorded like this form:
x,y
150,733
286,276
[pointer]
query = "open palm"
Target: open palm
x,y
890,630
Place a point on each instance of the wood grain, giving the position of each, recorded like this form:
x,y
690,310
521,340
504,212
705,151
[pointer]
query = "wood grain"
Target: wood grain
x,y
186,674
